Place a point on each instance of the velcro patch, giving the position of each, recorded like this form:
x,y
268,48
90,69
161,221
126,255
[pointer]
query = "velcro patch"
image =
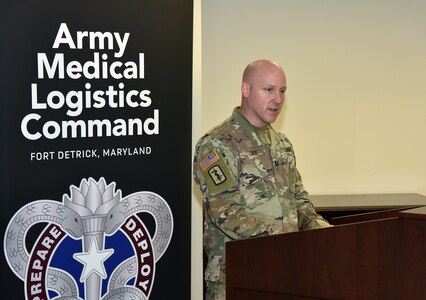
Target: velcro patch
x,y
209,159
217,175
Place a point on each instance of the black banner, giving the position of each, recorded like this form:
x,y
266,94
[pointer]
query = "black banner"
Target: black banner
x,y
96,149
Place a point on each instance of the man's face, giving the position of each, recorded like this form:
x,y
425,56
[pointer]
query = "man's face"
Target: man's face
x,y
264,95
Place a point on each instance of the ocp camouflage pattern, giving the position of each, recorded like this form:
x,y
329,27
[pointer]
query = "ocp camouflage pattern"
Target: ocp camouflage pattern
x,y
252,189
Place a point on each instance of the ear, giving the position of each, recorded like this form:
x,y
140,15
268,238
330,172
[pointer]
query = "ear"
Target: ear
x,y
245,89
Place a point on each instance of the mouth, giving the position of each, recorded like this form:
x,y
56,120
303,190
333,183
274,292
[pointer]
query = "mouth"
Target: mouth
x,y
274,109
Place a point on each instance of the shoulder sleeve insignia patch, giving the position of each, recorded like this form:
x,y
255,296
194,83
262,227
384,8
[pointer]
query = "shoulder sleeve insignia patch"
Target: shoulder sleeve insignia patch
x,y
208,160
216,173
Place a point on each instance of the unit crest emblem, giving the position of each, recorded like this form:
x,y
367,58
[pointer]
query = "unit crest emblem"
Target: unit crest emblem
x,y
94,245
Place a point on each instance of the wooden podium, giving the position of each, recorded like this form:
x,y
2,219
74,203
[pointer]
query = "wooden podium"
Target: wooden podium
x,y
382,258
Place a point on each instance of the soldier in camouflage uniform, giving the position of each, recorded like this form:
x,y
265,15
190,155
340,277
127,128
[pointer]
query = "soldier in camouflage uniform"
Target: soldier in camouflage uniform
x,y
247,174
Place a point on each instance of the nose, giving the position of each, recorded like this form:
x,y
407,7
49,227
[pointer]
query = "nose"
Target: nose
x,y
279,97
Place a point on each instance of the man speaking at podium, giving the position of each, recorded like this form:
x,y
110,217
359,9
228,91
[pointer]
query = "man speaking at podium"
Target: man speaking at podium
x,y
247,173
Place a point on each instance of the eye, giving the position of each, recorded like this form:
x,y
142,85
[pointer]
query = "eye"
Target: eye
x,y
111,216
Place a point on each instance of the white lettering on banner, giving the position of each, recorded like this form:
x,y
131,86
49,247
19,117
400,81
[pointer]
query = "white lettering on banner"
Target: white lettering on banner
x,y
45,155
88,128
74,102
98,68
95,40
127,151
142,243
89,153
71,154
38,262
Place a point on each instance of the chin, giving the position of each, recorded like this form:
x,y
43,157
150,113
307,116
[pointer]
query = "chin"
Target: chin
x,y
271,119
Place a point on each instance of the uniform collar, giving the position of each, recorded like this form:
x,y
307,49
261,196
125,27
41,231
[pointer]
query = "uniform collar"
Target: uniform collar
x,y
250,129
245,125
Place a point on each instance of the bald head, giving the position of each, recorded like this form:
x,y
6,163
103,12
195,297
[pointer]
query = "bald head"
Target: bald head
x,y
262,89
259,67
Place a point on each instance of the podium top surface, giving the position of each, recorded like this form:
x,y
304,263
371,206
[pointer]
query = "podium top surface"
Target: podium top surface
x,y
366,201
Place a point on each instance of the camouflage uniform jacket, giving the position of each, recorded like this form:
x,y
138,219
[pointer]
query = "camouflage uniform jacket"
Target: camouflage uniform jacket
x,y
250,189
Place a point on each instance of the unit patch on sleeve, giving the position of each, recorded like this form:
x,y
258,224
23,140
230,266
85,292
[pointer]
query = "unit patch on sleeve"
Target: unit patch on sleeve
x,y
216,173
